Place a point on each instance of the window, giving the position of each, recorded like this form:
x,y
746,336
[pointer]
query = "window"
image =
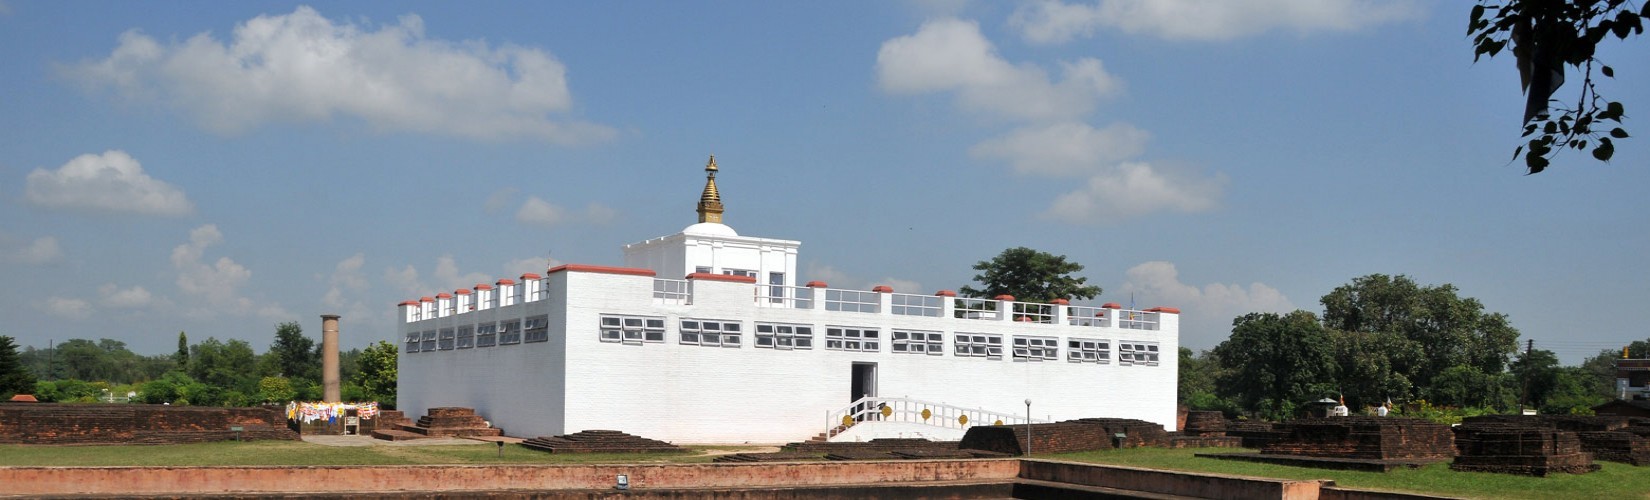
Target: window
x,y
776,287
412,341
446,340
739,272
509,332
784,337
428,343
1136,353
1036,348
632,329
486,335
916,342
1088,351
838,338
916,305
702,269
466,337
537,328
711,333
851,301
979,345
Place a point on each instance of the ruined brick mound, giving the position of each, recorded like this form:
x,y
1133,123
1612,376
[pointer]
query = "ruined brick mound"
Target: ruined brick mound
x,y
1205,442
1205,424
599,441
1069,436
1366,438
55,424
1255,433
1624,447
1519,449
1608,437
1571,423
442,421
783,456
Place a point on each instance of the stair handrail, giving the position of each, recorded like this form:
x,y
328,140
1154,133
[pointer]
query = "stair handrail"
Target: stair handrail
x,y
886,409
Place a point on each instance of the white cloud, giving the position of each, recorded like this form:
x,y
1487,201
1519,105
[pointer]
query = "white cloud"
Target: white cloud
x,y
1065,148
950,55
41,251
1135,189
903,286
112,182
450,278
302,67
1206,311
500,199
539,213
1052,22
66,308
406,279
539,265
217,284
135,297
346,278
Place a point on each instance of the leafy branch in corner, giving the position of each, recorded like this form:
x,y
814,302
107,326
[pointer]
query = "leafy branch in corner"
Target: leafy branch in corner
x,y
1546,35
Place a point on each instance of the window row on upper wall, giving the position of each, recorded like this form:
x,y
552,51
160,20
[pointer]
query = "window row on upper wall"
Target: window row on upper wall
x,y
639,330
488,334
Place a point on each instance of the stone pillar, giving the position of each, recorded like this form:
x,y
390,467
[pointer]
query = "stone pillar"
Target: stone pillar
x,y
330,385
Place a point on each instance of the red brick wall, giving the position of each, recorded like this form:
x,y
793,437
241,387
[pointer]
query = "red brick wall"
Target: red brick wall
x,y
49,423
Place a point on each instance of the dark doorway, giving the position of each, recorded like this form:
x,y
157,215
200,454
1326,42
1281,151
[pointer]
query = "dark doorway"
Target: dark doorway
x,y
864,381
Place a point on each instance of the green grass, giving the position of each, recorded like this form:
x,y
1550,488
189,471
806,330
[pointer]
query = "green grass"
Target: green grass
x,y
301,453
1614,480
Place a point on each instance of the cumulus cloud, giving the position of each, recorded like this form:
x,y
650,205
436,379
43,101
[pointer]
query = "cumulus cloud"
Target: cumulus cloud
x,y
1134,189
1051,22
539,213
903,286
448,276
217,283
66,308
1066,148
539,265
406,280
346,278
1207,310
112,182
136,297
951,55
41,251
303,67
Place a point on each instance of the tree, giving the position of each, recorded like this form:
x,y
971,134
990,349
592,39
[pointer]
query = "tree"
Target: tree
x,y
1547,35
1450,330
275,390
14,377
1030,275
295,355
377,372
223,366
181,357
1272,363
1367,366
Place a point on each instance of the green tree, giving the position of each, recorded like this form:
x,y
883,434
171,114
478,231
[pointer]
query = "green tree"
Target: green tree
x,y
295,355
1545,36
275,390
181,357
1467,386
1030,275
1198,374
1367,366
222,365
1450,330
377,372
1273,362
14,377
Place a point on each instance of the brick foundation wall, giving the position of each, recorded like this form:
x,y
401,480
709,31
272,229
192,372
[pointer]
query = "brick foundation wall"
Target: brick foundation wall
x,y
1372,438
48,423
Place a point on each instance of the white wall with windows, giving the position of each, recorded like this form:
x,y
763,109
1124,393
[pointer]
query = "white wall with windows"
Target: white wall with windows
x,y
716,249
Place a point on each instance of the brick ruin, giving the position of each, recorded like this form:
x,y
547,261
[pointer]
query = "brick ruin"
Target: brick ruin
x,y
1256,433
445,421
1605,437
1514,448
101,423
599,441
1068,436
1204,429
1366,438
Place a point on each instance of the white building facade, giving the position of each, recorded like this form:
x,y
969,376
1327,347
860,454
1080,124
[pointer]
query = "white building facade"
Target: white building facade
x,y
706,338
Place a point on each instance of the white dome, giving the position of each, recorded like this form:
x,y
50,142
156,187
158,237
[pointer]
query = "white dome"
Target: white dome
x,y
710,229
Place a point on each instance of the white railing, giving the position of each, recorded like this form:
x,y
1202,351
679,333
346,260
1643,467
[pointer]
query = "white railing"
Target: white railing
x,y
672,292
879,409
785,297
1088,316
905,304
967,308
1031,312
1131,319
851,301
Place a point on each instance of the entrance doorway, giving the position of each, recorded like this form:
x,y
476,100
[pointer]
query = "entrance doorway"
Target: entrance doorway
x,y
863,382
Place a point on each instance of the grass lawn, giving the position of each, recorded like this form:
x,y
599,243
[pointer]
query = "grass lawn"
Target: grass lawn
x,y
301,453
1615,480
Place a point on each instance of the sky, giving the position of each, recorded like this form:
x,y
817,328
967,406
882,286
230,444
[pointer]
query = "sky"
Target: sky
x,y
219,168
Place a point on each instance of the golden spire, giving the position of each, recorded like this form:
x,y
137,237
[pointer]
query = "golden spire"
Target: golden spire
x,y
710,203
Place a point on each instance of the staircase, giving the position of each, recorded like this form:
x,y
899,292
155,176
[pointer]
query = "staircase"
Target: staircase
x,y
872,409
448,421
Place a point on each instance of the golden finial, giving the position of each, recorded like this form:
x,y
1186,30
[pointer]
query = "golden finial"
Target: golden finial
x,y
710,202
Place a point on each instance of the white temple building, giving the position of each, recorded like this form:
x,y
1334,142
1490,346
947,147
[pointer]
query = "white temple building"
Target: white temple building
x,y
706,337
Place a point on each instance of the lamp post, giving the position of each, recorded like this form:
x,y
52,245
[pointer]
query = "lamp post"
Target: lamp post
x,y
1028,427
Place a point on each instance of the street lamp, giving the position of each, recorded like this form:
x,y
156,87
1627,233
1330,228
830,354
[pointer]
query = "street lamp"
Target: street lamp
x,y
1028,427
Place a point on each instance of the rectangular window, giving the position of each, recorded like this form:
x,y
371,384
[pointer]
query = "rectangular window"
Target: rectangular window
x,y
486,335
776,287
711,333
702,269
509,332
784,337
918,342
850,301
1036,348
632,329
537,328
428,342
445,341
739,272
1131,352
839,338
412,341
1088,351
979,345
905,304
466,337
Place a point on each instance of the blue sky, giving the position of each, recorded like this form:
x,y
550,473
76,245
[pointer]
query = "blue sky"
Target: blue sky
x,y
218,168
